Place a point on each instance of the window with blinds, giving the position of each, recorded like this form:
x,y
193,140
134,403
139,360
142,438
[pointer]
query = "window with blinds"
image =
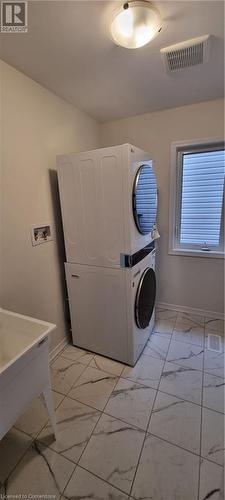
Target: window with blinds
x,y
199,174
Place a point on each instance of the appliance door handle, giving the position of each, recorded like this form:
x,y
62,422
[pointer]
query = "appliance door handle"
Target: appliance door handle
x,y
75,276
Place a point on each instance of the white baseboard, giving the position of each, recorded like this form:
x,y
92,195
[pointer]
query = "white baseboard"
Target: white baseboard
x,y
55,352
190,310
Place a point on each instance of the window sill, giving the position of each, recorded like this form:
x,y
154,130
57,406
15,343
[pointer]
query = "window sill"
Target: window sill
x,y
196,253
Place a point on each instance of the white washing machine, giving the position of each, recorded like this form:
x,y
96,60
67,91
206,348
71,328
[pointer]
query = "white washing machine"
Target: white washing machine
x,y
109,203
112,309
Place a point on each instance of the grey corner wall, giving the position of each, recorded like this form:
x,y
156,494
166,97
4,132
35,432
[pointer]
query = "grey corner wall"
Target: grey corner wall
x,y
36,126
1,189
185,281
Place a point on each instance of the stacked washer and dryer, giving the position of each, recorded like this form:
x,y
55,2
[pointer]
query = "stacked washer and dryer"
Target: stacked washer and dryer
x,y
109,204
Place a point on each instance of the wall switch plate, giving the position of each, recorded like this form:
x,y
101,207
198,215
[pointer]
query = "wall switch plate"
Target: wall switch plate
x,y
41,233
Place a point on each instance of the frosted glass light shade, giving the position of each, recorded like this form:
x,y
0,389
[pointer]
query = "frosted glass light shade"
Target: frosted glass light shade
x,y
135,24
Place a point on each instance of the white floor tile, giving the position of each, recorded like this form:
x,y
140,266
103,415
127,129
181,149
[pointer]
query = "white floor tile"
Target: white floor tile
x,y
107,365
189,328
185,354
184,332
211,481
75,353
83,485
131,402
186,383
213,436
213,392
40,472
165,314
35,418
12,448
147,371
94,387
157,346
176,421
214,324
64,374
166,472
75,423
195,319
164,327
112,452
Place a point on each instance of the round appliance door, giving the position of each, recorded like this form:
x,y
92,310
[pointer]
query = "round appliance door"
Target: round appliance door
x,y
145,298
145,199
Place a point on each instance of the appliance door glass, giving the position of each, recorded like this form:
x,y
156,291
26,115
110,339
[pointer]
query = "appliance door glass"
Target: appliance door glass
x,y
145,199
145,298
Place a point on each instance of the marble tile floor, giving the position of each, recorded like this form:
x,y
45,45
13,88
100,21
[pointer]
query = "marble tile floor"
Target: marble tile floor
x,y
152,432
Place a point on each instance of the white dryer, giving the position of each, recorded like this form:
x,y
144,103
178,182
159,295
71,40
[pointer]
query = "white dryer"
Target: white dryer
x,y
109,203
112,309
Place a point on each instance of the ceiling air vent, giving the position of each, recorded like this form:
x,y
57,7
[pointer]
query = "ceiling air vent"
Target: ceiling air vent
x,y
186,54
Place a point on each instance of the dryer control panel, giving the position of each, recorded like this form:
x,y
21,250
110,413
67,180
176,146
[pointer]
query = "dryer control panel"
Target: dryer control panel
x,y
132,260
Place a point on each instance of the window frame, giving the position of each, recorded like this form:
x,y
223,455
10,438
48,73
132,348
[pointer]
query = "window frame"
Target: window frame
x,y
177,151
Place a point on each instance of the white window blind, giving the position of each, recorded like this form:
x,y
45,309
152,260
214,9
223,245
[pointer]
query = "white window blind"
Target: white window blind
x,y
202,189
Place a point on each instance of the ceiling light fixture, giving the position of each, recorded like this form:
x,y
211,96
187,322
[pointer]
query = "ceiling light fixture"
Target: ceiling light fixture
x,y
135,24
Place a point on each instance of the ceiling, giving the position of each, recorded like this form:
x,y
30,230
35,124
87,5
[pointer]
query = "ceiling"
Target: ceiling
x,y
68,50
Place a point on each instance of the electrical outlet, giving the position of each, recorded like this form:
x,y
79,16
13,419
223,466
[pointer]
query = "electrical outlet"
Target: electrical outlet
x,y
41,233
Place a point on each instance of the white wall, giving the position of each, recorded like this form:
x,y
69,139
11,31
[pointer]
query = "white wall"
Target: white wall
x,y
186,281
1,191
37,125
